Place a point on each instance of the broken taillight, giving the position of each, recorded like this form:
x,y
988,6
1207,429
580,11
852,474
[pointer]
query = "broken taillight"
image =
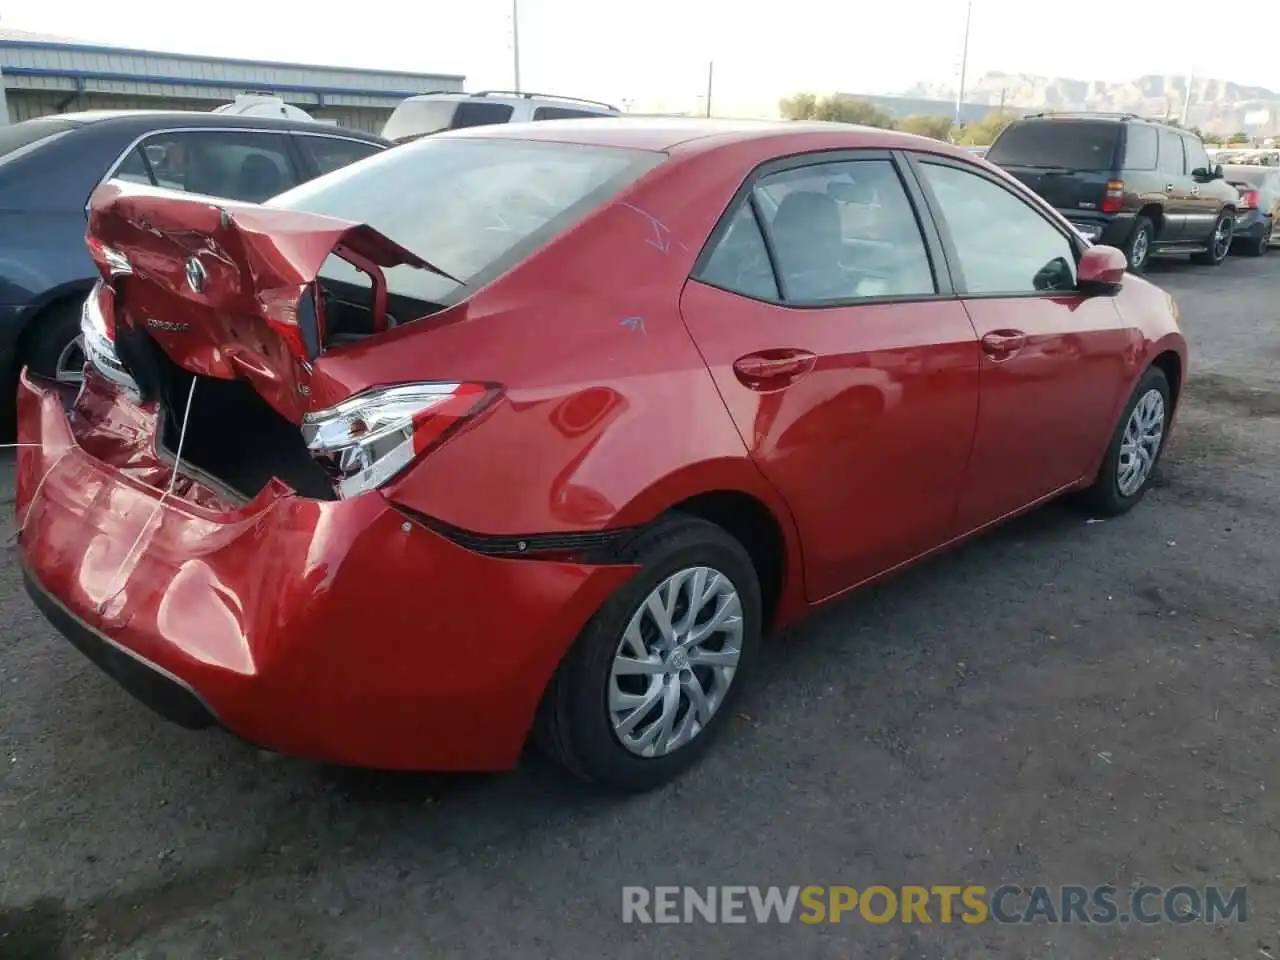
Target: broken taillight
x,y
369,439
97,334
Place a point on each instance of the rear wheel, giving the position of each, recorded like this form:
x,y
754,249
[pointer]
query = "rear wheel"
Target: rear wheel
x,y
1138,250
1257,247
655,672
1134,449
1219,243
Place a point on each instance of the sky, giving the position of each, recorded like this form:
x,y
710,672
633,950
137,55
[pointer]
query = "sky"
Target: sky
x,y
658,51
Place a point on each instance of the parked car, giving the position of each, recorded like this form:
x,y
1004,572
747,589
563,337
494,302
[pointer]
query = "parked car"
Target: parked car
x,y
50,166
430,113
542,426
1145,187
1259,189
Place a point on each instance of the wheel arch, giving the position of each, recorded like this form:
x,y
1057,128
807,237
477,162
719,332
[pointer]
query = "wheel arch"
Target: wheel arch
x,y
734,495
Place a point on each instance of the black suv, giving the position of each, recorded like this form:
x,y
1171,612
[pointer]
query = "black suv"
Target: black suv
x,y
1136,184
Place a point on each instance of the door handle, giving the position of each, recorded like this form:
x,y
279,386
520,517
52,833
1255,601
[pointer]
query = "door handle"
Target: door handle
x,y
1003,344
773,369
1170,187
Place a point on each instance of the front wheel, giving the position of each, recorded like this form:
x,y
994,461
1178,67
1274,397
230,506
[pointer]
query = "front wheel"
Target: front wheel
x,y
1134,449
1219,244
654,673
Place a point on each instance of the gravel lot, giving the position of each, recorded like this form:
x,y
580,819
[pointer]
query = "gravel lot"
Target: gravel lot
x,y
1058,703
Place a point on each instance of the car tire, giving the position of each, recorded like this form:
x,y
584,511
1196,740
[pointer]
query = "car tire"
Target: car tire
x,y
576,719
1216,250
50,336
1258,247
1113,491
1138,249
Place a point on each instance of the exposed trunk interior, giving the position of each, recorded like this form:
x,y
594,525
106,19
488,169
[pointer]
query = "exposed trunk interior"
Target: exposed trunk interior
x,y
233,437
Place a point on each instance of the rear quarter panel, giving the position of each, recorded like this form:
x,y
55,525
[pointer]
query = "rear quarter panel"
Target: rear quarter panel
x,y
610,415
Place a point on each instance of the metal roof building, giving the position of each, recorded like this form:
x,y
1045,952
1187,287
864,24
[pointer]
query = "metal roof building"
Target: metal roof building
x,y
41,75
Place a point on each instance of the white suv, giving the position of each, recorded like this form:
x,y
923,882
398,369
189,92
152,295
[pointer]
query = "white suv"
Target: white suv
x,y
433,112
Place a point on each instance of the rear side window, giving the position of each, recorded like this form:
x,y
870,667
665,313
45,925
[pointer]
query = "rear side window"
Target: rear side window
x,y
1172,159
134,168
1057,144
28,134
331,153
563,113
240,165
1141,147
740,261
473,206
481,113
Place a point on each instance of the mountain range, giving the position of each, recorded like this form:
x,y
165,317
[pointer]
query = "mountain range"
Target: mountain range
x,y
1215,106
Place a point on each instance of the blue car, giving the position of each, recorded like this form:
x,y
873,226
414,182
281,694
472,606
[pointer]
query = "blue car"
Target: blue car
x,y
49,167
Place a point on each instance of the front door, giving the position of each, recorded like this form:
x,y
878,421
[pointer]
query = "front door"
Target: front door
x,y
852,380
1052,358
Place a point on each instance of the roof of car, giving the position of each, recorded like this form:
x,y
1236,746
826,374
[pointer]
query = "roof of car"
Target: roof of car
x,y
197,118
664,134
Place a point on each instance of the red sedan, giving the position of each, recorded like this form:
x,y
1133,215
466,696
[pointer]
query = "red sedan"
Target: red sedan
x,y
538,428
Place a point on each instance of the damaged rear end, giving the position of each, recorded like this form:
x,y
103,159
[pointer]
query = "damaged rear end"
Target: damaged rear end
x,y
210,318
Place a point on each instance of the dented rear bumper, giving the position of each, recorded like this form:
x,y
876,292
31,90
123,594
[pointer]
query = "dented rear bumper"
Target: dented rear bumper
x,y
340,631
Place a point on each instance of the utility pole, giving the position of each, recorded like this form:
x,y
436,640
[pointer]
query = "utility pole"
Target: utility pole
x,y
964,58
711,70
1186,101
515,42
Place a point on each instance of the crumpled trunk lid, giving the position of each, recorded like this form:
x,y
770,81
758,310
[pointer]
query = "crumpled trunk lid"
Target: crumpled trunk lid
x,y
227,290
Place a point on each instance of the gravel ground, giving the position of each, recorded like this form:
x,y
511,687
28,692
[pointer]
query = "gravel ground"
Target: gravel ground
x,y
1057,703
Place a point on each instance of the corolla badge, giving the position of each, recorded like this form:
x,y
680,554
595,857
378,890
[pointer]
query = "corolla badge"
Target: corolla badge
x,y
196,275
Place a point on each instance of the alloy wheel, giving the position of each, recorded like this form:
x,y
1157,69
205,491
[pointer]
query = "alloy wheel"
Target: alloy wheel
x,y
1140,444
675,662
1141,250
1222,239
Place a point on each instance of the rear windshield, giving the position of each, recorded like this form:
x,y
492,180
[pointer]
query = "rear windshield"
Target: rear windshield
x,y
1067,144
22,136
415,118
473,207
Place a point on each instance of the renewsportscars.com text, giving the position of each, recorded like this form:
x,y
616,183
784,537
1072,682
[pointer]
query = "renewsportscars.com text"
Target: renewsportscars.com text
x,y
972,904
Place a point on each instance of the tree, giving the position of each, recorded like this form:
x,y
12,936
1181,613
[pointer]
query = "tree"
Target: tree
x,y
984,132
1240,137
806,106
937,127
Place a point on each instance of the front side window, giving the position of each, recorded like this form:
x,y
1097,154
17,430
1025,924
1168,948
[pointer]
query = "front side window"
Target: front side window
x,y
844,231
239,165
1197,156
1004,246
1172,158
472,206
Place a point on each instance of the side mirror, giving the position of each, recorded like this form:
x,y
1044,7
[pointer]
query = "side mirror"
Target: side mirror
x,y
1101,270
1218,173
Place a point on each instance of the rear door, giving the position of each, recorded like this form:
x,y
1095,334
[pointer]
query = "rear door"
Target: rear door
x,y
1172,161
848,366
1052,359
1066,160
